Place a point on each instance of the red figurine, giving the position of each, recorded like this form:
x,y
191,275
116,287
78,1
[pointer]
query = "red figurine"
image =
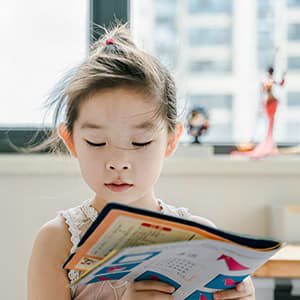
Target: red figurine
x,y
268,146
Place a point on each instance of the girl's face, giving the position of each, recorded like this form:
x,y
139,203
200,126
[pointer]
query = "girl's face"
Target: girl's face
x,y
119,147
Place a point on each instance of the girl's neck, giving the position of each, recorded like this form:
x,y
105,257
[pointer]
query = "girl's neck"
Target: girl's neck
x,y
147,202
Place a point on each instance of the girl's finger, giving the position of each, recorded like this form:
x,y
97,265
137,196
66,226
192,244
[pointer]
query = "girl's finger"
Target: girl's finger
x,y
243,290
148,285
242,293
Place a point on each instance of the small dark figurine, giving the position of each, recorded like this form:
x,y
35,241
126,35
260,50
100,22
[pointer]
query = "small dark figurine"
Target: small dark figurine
x,y
197,123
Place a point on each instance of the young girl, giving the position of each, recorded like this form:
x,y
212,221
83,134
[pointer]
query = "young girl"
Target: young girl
x,y
120,122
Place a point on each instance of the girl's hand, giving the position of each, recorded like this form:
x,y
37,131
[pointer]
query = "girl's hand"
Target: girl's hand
x,y
244,290
148,290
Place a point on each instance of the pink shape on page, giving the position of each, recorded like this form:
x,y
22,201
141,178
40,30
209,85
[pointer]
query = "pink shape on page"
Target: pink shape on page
x,y
232,264
229,282
202,297
100,278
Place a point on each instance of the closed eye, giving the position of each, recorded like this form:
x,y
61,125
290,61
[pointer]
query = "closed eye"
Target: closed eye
x,y
95,145
103,144
142,144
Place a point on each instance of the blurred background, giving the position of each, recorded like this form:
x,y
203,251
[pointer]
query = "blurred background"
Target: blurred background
x,y
218,51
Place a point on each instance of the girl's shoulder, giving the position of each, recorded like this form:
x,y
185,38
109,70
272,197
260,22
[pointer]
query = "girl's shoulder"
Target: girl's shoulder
x,y
50,249
56,238
53,239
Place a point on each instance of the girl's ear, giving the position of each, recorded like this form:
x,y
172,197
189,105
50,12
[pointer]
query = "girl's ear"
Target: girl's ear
x,y
67,138
173,139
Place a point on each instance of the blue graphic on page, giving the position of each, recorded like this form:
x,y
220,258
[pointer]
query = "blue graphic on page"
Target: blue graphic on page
x,y
225,282
128,258
111,276
117,268
199,295
149,275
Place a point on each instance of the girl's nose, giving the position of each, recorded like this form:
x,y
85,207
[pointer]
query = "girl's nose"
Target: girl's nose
x,y
118,166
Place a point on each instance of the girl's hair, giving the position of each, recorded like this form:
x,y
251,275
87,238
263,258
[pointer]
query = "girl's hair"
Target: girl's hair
x,y
114,61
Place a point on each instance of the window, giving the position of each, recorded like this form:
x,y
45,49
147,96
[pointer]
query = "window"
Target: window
x,y
165,44
293,3
40,40
294,63
212,101
265,33
292,130
209,6
294,32
293,99
210,66
165,8
209,36
207,44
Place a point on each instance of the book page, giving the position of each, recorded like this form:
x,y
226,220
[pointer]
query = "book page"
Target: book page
x,y
195,268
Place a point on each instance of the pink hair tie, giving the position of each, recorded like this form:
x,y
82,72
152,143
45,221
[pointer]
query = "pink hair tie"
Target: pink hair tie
x,y
109,41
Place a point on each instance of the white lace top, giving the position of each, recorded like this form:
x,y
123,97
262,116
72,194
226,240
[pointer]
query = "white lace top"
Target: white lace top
x,y
78,220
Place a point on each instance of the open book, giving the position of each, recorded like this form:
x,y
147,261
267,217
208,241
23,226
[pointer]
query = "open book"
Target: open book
x,y
132,244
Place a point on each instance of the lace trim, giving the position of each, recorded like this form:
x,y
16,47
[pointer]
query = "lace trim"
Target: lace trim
x,y
75,237
92,214
172,210
183,212
89,211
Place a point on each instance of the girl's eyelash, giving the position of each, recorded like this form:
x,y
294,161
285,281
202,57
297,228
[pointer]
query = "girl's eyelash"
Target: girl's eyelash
x,y
95,145
134,144
142,144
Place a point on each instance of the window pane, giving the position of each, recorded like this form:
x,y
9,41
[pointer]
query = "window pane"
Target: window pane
x,y
209,36
219,52
293,3
211,101
40,40
294,63
294,32
212,67
292,130
209,6
265,33
293,99
165,8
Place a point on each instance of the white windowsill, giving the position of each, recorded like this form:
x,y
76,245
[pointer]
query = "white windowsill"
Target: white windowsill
x,y
179,164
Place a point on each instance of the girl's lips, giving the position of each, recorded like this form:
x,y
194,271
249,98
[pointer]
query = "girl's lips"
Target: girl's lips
x,y
118,187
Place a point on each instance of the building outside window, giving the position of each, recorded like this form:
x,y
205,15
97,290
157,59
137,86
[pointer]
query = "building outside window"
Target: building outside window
x,y
219,52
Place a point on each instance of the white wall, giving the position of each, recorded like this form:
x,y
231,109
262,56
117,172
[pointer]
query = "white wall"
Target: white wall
x,y
233,194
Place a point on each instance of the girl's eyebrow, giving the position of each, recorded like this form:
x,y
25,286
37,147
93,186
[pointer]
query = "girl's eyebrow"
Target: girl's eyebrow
x,y
144,125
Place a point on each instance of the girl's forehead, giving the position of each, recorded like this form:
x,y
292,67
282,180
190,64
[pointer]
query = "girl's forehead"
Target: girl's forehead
x,y
123,106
